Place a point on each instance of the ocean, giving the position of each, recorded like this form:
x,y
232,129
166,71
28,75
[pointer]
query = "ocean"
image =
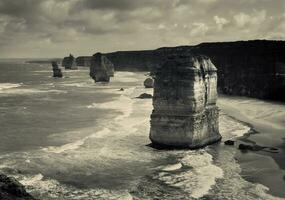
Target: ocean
x,y
70,138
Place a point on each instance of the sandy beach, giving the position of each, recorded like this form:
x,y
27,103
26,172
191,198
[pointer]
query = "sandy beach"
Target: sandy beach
x,y
267,120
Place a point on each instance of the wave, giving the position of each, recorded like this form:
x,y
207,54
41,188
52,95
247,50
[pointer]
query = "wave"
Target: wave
x,y
76,144
231,128
123,104
89,84
5,86
47,188
125,77
16,88
195,173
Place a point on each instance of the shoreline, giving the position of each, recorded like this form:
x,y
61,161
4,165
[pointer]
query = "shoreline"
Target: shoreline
x,y
268,131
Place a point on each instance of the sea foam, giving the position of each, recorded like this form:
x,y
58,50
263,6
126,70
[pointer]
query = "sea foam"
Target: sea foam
x,y
76,144
47,188
196,175
5,86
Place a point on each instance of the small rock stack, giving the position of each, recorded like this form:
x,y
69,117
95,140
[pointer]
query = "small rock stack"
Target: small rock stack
x,y
69,62
148,83
56,70
185,114
101,68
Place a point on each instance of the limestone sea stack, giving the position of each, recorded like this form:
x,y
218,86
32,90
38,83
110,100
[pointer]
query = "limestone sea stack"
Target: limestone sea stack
x,y
69,62
101,68
56,70
185,114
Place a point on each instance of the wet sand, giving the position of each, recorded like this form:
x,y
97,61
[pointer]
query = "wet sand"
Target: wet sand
x,y
267,120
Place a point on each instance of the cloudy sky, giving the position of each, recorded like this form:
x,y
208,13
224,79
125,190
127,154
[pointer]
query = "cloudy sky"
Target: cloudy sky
x,y
54,28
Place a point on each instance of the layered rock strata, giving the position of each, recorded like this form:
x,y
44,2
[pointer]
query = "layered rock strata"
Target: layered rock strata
x,y
184,103
247,68
69,62
101,68
56,70
83,61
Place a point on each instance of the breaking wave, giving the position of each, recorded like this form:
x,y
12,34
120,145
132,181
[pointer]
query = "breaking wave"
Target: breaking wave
x,y
6,86
46,188
76,144
195,173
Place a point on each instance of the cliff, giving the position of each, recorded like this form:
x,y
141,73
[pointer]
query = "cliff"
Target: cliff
x,y
248,68
101,68
11,189
184,103
83,61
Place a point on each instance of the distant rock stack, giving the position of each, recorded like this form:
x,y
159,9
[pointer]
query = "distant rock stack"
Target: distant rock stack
x,y
56,70
69,62
101,68
185,114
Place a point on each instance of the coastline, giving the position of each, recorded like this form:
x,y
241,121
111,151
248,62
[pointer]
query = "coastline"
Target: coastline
x,y
269,127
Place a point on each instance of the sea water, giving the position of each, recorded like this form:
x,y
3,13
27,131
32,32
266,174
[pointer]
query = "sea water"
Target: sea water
x,y
70,138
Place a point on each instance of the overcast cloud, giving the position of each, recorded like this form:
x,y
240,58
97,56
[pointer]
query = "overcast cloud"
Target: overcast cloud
x,y
54,28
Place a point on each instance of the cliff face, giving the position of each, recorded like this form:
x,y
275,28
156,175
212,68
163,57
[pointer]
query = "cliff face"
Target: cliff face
x,y
249,68
185,112
101,68
83,61
254,69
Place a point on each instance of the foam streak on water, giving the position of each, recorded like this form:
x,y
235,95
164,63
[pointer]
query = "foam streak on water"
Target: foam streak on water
x,y
198,176
5,86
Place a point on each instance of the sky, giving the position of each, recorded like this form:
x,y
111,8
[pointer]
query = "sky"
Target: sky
x,y
55,28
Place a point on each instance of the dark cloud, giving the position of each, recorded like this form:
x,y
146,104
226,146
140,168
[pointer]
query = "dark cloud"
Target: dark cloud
x,y
48,28
111,4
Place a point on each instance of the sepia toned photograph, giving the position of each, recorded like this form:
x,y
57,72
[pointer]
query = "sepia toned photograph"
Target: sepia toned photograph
x,y
142,99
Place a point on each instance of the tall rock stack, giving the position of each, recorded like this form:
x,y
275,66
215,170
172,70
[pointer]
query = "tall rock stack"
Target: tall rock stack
x,y
56,70
185,114
101,68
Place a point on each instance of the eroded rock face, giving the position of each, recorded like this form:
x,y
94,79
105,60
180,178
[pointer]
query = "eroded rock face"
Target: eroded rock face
x,y
101,68
185,93
84,61
248,68
69,62
56,70
11,189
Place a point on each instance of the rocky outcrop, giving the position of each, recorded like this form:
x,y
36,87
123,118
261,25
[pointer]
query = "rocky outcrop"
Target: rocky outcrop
x,y
247,68
83,61
56,70
101,68
69,62
184,103
11,189
145,96
148,83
